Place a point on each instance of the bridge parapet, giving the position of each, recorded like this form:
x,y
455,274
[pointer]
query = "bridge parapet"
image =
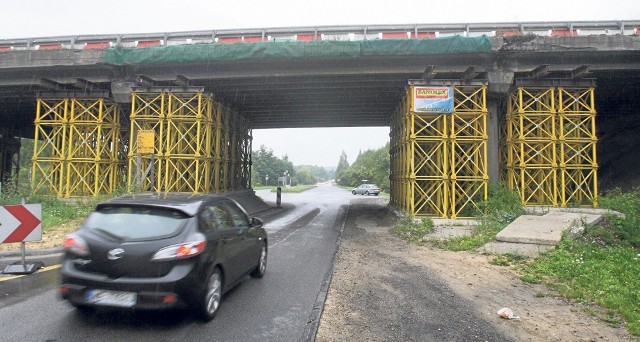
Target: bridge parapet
x,y
341,33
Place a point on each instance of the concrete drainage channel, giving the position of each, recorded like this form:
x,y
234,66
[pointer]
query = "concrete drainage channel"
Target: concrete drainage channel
x,y
529,235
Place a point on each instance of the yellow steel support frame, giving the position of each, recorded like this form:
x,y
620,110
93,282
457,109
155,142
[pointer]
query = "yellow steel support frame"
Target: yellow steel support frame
x,y
217,150
551,146
532,161
429,164
577,140
76,147
200,146
468,141
439,161
188,143
49,146
147,113
92,151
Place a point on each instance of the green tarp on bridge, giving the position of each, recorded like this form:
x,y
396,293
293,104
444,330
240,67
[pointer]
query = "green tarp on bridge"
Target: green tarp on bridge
x,y
296,49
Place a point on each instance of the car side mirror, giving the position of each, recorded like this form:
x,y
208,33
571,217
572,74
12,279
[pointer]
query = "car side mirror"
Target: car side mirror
x,y
256,222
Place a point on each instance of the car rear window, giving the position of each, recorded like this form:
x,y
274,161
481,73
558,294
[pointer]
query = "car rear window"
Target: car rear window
x,y
135,223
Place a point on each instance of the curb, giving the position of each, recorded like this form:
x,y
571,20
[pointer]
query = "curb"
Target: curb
x,y
30,252
316,313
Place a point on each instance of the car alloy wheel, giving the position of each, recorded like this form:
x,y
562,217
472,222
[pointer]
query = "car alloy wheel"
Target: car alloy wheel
x,y
261,268
212,296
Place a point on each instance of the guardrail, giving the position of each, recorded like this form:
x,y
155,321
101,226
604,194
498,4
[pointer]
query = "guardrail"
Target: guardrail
x,y
365,32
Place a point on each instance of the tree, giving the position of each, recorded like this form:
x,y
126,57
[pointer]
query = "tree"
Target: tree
x,y
343,165
371,165
264,163
311,174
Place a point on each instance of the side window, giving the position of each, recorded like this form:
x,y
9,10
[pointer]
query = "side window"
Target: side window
x,y
239,218
215,217
206,220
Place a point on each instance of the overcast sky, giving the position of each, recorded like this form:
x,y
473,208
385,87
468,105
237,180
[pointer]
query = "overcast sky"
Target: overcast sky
x,y
41,18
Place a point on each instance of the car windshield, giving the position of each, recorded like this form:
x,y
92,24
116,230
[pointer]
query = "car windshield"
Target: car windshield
x,y
135,223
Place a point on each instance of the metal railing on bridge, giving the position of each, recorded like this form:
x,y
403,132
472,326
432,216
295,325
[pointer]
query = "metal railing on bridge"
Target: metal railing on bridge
x,y
360,32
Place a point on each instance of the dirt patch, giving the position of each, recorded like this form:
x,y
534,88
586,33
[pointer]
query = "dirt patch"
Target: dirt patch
x,y
384,289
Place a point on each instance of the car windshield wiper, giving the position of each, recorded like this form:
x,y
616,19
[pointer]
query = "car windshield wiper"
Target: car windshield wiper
x,y
108,234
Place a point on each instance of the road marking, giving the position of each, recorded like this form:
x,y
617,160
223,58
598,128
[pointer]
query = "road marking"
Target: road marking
x,y
44,269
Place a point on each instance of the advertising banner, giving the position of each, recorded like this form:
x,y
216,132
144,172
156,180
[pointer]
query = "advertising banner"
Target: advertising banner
x,y
437,100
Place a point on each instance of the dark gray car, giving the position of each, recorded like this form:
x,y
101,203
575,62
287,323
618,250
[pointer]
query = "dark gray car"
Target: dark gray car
x,y
157,251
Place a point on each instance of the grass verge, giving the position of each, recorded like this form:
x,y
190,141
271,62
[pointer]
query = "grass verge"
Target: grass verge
x,y
413,231
588,273
297,188
502,207
602,267
55,211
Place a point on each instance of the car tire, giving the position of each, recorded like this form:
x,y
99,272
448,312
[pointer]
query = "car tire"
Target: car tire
x,y
353,192
261,267
376,194
211,296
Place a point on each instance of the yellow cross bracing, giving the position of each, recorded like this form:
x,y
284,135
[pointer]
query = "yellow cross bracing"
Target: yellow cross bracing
x,y
578,140
147,113
551,146
199,145
188,143
50,128
439,161
75,147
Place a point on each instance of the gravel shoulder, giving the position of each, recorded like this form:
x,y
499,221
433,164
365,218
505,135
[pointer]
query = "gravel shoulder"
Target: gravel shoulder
x,y
383,289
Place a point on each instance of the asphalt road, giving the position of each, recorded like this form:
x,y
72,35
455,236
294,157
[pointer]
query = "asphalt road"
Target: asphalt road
x,y
282,306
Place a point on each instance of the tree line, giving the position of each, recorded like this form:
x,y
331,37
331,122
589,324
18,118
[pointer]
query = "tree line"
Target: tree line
x,y
266,169
371,166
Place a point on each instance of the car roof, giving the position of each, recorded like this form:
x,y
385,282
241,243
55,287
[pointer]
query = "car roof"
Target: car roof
x,y
184,202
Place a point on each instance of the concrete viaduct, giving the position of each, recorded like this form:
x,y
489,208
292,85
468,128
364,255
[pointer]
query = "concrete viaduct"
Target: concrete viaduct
x,y
344,77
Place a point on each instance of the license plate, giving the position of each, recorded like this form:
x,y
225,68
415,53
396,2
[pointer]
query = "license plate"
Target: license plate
x,y
111,298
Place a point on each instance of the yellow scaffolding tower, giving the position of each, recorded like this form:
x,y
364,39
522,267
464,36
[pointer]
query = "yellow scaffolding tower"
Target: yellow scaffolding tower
x,y
147,115
468,140
551,146
531,140
188,142
199,146
49,145
76,147
439,161
577,138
